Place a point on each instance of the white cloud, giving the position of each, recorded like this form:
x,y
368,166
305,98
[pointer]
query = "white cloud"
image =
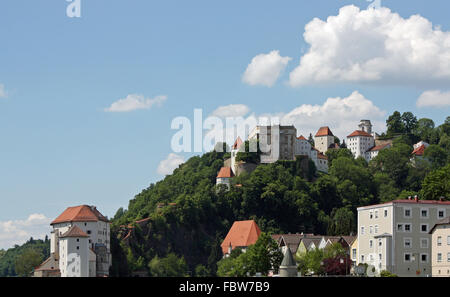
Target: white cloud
x,y
342,115
232,110
2,91
134,102
168,165
19,231
265,69
373,45
434,99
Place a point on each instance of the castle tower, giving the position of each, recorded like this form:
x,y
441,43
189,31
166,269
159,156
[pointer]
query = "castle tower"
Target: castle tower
x,y
366,126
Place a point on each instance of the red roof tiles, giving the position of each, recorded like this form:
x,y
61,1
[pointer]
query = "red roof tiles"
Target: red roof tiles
x,y
225,172
241,234
324,131
74,231
359,133
419,151
237,144
82,213
322,156
301,137
379,147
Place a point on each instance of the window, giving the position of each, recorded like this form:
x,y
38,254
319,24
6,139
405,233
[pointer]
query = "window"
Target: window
x,y
441,213
370,243
88,231
423,258
376,229
353,253
424,213
370,229
380,242
371,215
407,227
385,213
400,227
448,257
439,240
407,257
380,256
448,240
78,240
439,257
362,258
376,214
407,212
424,228
424,243
78,247
407,242
362,230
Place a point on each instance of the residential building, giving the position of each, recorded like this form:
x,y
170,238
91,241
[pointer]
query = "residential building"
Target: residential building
x,y
242,234
440,248
323,139
394,236
79,244
373,152
359,142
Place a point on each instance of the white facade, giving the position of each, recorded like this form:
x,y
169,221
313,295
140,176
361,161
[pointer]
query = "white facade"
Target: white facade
x,y
394,236
74,257
360,144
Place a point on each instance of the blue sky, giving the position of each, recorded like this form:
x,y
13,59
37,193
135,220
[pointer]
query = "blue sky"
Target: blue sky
x,y
60,148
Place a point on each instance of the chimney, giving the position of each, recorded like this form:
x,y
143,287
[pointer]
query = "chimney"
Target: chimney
x,y
409,197
416,198
441,198
230,248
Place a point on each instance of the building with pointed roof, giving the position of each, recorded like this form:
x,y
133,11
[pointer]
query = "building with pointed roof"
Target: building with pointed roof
x,y
241,235
323,139
79,244
288,267
224,177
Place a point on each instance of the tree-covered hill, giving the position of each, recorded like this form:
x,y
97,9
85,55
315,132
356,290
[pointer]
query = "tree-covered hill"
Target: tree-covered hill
x,y
187,216
9,259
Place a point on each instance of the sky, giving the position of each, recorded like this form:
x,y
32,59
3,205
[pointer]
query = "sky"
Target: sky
x,y
87,103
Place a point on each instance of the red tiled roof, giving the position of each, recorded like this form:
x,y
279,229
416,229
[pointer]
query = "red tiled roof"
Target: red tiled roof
x,y
379,147
324,131
322,156
359,133
241,234
225,172
237,144
301,137
438,202
82,213
74,231
419,151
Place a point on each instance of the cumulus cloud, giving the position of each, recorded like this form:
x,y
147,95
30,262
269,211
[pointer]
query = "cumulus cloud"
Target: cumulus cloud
x,y
2,91
373,45
232,110
434,98
19,231
265,69
342,115
134,102
168,165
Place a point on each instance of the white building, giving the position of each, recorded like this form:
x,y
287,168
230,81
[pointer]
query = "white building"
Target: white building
x,y
224,177
394,236
304,148
79,244
373,152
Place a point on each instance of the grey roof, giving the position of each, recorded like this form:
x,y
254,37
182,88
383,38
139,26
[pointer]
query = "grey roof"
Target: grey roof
x,y
292,241
288,260
444,221
383,235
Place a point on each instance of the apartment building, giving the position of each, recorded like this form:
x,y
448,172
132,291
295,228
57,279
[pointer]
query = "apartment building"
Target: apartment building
x,y
440,248
394,236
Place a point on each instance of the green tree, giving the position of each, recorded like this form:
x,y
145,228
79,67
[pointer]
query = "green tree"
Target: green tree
x,y
436,184
343,222
424,129
27,261
395,124
170,266
436,155
409,122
